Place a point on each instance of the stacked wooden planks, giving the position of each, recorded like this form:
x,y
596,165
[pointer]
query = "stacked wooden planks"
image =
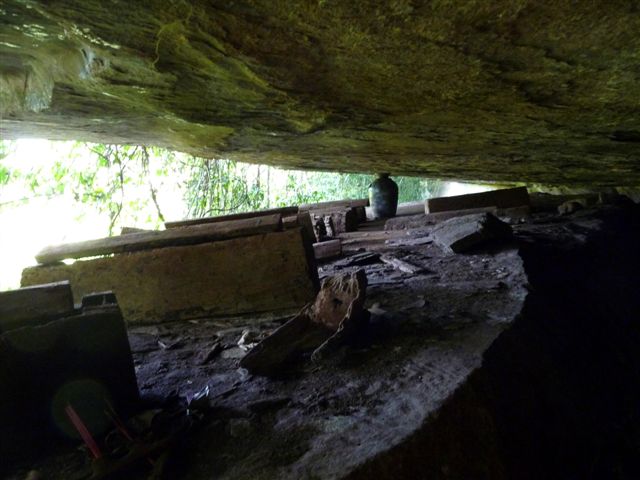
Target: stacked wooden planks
x,y
339,216
229,267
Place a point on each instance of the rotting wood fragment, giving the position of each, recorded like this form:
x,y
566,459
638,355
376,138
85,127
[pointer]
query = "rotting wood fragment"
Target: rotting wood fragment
x,y
329,322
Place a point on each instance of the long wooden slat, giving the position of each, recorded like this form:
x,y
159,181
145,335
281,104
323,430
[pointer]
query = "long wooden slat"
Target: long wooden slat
x,y
34,305
505,198
173,237
284,211
358,202
260,273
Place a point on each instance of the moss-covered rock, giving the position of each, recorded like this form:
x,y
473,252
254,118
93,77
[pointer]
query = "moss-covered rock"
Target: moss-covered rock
x,y
535,91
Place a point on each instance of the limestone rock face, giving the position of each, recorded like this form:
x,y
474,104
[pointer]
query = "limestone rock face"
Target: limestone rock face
x,y
537,91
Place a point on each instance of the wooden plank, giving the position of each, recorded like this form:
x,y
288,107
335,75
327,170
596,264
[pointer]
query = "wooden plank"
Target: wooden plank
x,y
328,249
34,305
360,202
260,273
505,198
284,211
173,237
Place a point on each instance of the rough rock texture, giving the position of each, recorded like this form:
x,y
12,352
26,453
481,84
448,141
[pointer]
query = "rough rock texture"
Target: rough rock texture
x,y
537,91
517,362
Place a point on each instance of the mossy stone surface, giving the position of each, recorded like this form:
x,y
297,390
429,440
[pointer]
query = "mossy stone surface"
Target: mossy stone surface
x,y
533,91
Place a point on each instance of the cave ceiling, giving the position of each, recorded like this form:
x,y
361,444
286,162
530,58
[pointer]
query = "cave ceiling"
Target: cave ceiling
x,y
532,91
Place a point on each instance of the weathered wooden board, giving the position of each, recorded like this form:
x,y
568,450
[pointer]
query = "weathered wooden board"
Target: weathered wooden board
x,y
302,219
336,204
505,198
344,219
81,358
147,240
545,202
34,305
328,249
260,273
410,208
422,220
284,211
130,230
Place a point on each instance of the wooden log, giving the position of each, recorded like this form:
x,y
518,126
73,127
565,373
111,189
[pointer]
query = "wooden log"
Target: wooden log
x,y
328,249
284,211
336,204
34,305
81,358
260,273
505,198
173,237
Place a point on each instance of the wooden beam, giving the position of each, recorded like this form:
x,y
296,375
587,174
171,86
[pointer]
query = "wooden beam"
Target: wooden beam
x,y
173,237
261,273
284,211
505,198
34,305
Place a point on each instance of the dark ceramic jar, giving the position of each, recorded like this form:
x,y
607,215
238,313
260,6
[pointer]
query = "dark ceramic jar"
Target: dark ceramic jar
x,y
383,196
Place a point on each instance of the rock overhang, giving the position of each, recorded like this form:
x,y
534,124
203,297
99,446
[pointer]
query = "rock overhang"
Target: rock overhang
x,y
539,92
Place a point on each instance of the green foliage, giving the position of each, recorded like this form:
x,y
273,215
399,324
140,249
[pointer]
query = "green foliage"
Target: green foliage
x,y
123,183
5,173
